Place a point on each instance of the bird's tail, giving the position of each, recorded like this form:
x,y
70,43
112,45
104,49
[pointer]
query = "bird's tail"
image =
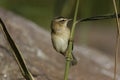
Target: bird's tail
x,y
74,60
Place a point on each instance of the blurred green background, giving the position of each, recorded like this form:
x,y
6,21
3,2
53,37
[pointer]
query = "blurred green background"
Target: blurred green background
x,y
42,11
97,34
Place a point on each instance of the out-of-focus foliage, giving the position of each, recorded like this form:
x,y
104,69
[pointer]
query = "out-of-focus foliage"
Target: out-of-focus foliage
x,y
39,11
87,7
94,33
42,11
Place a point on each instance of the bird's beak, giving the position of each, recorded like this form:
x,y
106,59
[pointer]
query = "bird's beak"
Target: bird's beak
x,y
69,19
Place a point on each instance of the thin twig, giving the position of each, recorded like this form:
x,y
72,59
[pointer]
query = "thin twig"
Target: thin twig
x,y
102,17
117,41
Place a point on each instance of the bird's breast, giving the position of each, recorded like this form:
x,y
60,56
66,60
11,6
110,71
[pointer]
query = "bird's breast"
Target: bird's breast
x,y
60,42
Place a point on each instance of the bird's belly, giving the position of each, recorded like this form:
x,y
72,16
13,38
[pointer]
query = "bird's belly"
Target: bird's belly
x,y
61,44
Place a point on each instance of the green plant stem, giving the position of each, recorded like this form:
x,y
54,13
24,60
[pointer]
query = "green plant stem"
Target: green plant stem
x,y
74,20
69,51
117,41
16,53
117,17
67,69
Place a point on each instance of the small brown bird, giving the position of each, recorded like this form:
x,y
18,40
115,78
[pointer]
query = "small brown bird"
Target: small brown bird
x,y
60,35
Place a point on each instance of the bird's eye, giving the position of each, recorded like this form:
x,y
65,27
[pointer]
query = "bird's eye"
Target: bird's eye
x,y
62,20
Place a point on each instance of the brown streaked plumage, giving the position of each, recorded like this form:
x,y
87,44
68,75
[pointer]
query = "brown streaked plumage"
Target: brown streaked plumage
x,y
60,34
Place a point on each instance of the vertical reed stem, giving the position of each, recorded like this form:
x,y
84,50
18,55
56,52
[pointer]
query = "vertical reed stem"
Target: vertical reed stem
x,y
117,41
69,56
